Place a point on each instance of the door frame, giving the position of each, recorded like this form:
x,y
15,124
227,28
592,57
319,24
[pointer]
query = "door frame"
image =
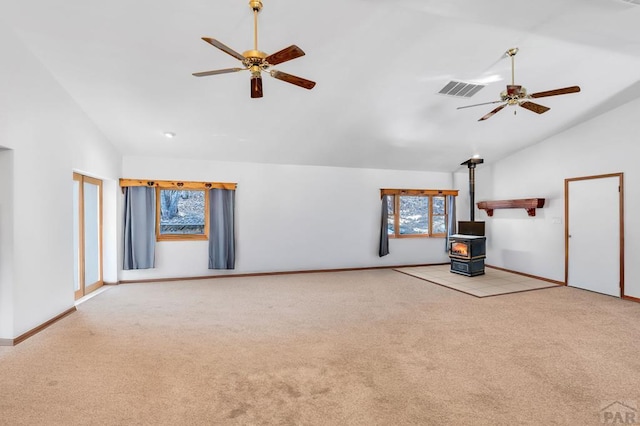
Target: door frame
x,y
84,289
620,177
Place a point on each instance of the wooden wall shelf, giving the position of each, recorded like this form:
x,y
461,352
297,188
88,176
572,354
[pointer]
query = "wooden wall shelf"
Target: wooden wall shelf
x,y
529,204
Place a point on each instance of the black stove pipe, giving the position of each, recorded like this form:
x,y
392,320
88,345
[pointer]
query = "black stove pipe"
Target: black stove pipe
x,y
471,164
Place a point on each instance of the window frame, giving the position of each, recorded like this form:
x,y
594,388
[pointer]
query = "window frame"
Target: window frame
x,y
181,237
430,194
432,215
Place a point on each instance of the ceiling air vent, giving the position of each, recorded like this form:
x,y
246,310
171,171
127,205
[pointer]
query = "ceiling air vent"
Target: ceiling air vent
x,y
460,89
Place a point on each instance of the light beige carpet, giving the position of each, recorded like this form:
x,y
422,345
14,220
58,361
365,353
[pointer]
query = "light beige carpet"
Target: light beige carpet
x,y
367,348
494,282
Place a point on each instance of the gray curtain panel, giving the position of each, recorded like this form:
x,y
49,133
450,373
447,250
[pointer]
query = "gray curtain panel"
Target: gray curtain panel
x,y
451,220
384,236
222,244
139,227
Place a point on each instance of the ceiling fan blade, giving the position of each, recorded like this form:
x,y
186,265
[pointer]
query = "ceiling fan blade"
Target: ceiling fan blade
x,y
224,48
563,91
298,81
475,105
537,108
256,87
492,113
223,71
284,55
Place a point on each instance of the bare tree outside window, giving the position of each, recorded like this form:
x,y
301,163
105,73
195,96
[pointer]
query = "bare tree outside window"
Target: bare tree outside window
x,y
182,212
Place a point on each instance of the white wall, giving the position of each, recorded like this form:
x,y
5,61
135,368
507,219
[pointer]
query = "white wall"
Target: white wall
x,y
292,218
50,137
111,228
461,182
535,245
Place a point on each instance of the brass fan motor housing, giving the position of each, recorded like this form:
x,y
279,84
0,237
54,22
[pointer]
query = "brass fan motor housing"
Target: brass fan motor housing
x,y
517,93
254,60
254,54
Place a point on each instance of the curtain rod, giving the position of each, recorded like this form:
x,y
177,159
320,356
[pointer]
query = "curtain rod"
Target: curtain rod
x,y
170,184
388,191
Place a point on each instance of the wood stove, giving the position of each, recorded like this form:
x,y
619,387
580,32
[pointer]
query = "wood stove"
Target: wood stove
x,y
467,254
468,249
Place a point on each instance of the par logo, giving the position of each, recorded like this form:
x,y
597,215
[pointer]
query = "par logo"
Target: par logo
x,y
619,413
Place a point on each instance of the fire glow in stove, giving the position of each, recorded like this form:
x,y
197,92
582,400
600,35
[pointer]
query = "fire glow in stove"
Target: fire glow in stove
x,y
467,254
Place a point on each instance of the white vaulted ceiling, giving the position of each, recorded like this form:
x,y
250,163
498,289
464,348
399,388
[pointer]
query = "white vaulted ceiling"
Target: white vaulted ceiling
x,y
378,64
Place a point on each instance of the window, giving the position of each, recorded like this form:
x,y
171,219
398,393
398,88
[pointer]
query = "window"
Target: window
x,y
182,208
417,212
182,214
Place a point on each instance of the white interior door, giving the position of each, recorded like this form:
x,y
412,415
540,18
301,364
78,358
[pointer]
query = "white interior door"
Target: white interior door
x,y
593,234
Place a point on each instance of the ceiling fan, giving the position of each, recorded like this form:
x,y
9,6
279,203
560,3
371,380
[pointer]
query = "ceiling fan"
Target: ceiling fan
x,y
257,61
517,95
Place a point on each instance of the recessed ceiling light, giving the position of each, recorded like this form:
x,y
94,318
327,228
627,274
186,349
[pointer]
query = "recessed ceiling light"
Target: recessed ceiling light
x,y
169,135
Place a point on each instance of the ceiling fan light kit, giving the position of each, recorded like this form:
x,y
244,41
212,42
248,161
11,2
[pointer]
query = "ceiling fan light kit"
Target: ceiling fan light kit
x,y
257,61
518,96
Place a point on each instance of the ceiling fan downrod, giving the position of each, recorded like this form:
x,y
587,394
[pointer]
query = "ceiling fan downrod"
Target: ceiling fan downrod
x,y
512,52
256,6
